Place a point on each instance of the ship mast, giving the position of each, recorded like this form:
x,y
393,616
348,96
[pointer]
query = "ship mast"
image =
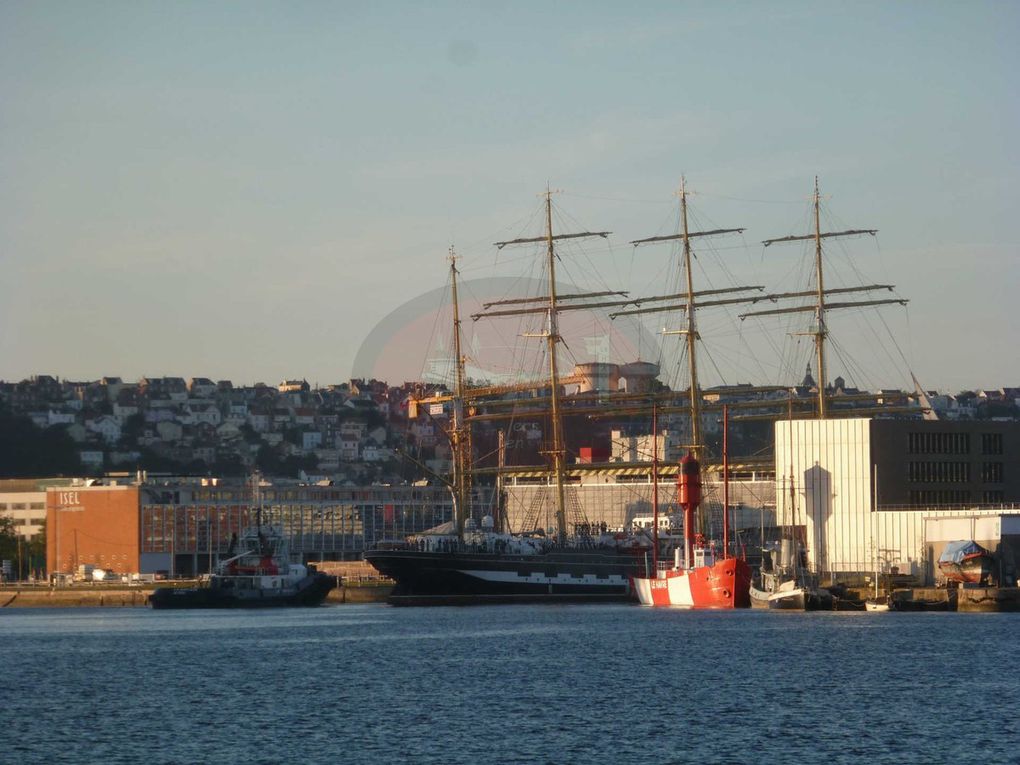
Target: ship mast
x,y
692,332
460,436
820,311
552,337
690,307
820,306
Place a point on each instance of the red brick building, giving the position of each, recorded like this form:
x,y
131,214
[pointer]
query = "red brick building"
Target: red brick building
x,y
92,524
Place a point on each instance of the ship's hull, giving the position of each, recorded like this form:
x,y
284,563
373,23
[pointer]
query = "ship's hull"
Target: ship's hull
x,y
310,591
975,569
724,584
759,598
454,578
796,599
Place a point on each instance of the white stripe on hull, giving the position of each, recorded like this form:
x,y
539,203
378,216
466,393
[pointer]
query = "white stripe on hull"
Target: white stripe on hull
x,y
512,577
677,591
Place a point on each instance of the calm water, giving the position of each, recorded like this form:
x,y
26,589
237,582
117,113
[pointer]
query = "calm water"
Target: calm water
x,y
552,684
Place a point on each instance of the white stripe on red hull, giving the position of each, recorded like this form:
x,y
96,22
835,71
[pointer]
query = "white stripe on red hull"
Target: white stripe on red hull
x,y
725,584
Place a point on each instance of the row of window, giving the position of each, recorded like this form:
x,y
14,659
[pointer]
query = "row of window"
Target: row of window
x,y
939,472
952,472
952,443
954,497
23,506
939,443
940,497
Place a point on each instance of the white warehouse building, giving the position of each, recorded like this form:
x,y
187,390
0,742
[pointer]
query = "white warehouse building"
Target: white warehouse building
x,y
862,490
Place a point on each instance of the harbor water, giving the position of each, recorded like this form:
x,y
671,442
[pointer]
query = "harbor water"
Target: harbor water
x,y
506,684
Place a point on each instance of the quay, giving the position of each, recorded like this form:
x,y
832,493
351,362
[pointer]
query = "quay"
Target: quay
x,y
961,599
359,584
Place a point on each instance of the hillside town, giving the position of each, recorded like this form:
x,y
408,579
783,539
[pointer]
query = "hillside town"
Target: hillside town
x,y
358,432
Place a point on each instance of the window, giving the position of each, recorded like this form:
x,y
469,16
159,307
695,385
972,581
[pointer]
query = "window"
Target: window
x,y
939,497
939,472
991,443
939,443
36,505
993,495
991,472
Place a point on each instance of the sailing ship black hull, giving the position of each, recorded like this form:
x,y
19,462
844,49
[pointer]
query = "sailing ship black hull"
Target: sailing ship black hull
x,y
462,578
310,591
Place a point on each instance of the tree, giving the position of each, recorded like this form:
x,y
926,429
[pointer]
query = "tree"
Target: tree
x,y
27,451
8,540
133,428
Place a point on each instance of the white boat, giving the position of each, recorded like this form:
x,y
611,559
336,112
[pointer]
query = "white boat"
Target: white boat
x,y
880,603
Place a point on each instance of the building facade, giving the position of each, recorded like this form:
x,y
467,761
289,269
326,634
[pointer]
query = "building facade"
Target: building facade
x,y
859,490
184,528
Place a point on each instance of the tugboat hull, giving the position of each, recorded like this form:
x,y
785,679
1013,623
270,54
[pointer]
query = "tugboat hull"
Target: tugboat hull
x,y
310,591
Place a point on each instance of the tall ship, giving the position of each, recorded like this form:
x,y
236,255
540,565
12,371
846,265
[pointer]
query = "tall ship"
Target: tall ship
x,y
467,562
480,560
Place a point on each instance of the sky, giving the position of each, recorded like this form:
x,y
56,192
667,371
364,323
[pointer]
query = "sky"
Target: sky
x,y
245,190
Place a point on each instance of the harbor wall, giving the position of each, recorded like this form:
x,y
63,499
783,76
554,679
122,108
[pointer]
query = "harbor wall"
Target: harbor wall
x,y
73,597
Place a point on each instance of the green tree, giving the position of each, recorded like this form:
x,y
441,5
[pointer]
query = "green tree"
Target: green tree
x,y
27,451
8,540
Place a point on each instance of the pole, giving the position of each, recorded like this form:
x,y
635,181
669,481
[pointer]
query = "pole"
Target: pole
x,y
554,395
692,332
820,311
458,437
655,491
726,480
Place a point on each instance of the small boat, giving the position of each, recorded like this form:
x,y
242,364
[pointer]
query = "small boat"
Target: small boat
x,y
878,604
967,562
259,576
783,584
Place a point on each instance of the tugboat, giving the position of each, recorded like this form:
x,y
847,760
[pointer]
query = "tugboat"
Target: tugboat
x,y
259,576
782,583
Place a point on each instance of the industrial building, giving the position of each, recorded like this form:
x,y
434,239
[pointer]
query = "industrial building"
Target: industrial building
x,y
861,490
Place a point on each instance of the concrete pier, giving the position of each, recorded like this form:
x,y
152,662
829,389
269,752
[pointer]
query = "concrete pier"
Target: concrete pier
x,y
988,599
73,597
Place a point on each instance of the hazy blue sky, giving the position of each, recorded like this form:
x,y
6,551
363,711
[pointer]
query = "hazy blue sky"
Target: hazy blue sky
x,y
244,190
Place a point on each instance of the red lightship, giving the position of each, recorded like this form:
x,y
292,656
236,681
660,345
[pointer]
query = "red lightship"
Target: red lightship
x,y
698,579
